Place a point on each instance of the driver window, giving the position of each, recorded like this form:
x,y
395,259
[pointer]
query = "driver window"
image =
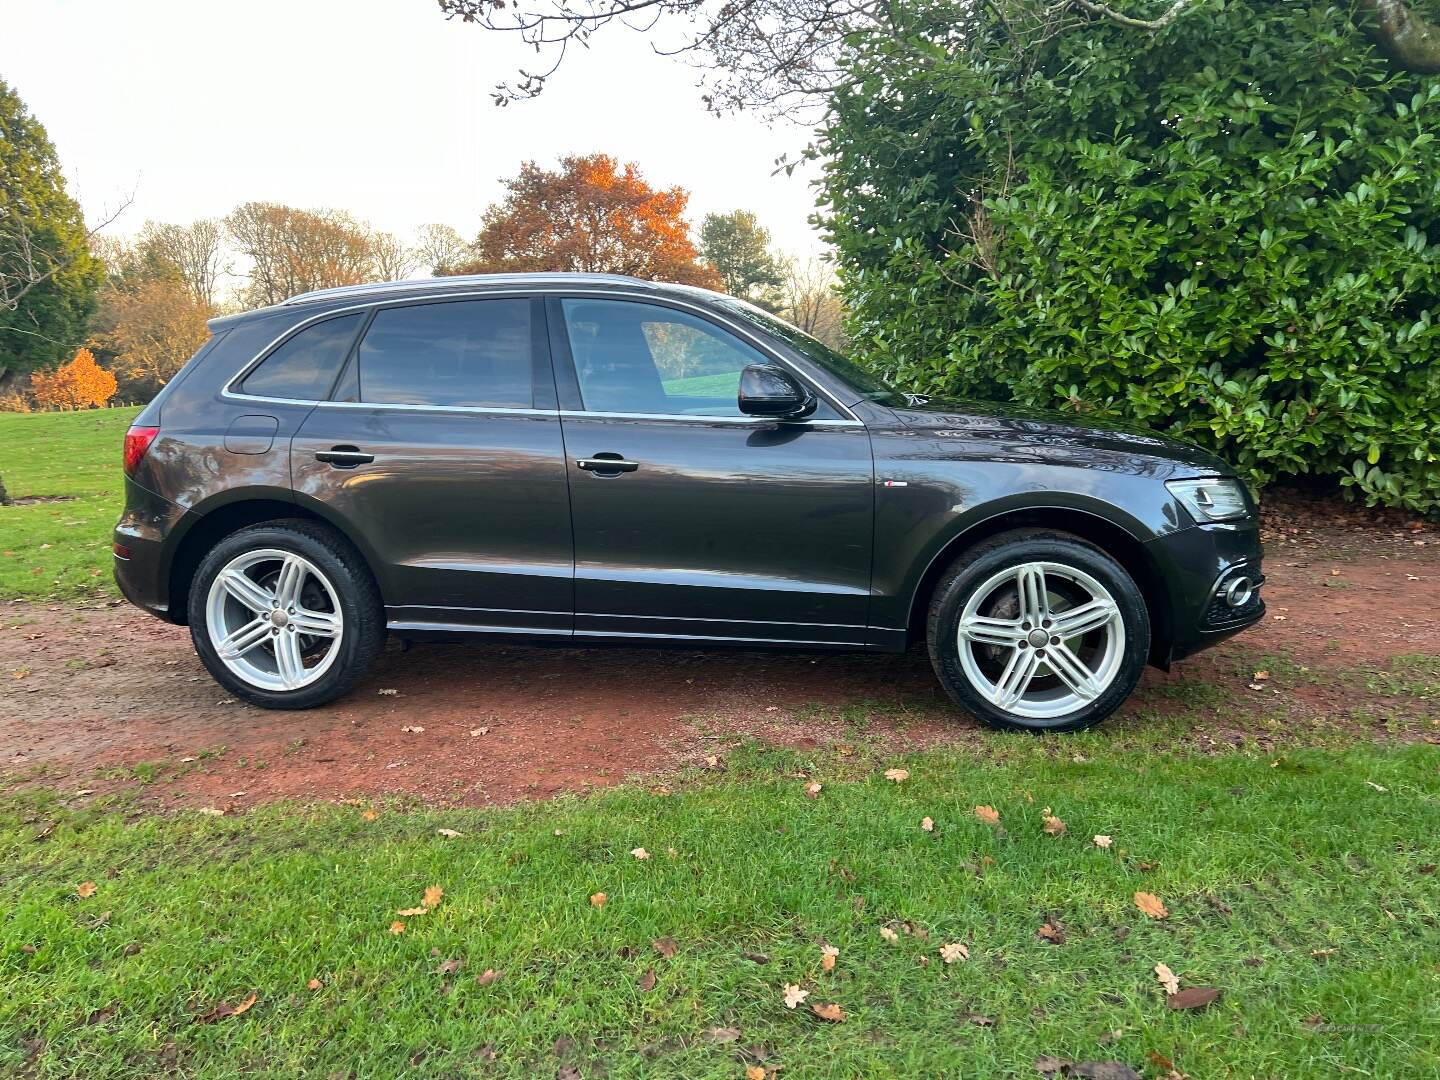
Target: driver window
x,y
640,358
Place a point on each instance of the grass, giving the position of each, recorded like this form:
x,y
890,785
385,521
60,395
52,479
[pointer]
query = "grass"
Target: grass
x,y
1296,885
60,549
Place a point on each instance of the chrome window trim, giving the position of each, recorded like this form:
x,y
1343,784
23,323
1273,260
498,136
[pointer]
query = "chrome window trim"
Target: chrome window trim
x,y
392,406
581,414
229,393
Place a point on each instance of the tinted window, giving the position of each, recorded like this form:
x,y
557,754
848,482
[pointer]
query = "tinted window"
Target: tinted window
x,y
641,358
473,352
305,364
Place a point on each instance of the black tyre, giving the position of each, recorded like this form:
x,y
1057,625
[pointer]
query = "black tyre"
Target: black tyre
x,y
1036,630
286,615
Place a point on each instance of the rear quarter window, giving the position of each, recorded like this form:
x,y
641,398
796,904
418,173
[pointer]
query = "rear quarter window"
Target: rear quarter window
x,y
304,365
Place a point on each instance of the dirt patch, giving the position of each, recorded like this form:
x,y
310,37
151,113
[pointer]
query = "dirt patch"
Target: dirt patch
x,y
31,500
103,696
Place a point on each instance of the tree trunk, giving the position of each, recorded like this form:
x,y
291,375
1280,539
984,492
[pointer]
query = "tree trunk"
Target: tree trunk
x,y
1408,40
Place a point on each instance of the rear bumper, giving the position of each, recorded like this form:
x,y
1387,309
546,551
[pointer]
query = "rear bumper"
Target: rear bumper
x,y
142,550
1200,565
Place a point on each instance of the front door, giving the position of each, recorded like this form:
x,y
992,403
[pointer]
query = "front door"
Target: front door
x,y
691,520
442,449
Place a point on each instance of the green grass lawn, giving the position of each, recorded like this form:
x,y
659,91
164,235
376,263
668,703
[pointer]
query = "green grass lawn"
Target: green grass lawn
x,y
60,549
1302,887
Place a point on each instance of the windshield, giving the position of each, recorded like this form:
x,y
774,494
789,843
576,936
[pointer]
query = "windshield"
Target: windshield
x,y
866,383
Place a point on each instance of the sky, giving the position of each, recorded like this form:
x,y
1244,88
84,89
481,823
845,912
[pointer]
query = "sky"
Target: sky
x,y
378,107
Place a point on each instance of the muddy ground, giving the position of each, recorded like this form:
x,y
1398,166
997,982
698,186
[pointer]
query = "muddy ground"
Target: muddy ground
x,y
97,696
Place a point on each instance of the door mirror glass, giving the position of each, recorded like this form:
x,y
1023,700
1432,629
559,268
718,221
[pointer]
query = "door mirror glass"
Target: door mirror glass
x,y
771,391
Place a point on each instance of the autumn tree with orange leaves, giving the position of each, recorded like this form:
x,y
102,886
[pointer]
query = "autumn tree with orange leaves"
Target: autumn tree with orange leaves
x,y
80,384
592,215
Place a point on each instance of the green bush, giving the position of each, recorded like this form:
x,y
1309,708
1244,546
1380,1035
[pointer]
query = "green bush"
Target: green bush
x,y
1227,231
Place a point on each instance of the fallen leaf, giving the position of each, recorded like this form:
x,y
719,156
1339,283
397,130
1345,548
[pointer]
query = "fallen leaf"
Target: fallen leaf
x,y
450,834
387,692
397,927
927,824
980,1019
1261,676
432,896
756,957
828,953
369,815
812,789
488,976
413,911
792,995
646,981
665,946
1052,826
640,853
475,733
413,729
1046,1065
1194,997
449,967
1102,841
85,888
1150,905
597,899
988,814
1322,954
211,811
1052,933
221,1011
954,951
754,1072
830,1011
1256,686
897,775
1167,979
723,1034
1377,787
888,934
314,984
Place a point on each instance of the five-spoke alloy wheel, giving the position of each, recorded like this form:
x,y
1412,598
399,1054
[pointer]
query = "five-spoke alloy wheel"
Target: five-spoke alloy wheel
x,y
1038,631
285,614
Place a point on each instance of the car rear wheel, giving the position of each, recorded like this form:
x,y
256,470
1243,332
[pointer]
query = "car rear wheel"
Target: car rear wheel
x,y
285,615
1038,631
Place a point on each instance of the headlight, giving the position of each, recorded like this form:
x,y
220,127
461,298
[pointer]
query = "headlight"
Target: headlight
x,y
1214,499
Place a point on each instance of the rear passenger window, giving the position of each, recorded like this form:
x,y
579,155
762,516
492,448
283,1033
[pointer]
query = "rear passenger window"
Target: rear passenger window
x,y
305,365
469,353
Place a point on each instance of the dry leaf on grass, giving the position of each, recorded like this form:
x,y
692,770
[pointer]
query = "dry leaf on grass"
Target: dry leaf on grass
x,y
665,946
313,984
488,976
897,775
1151,905
723,1034
597,899
369,815
221,1011
828,953
1102,841
1167,979
413,911
829,1011
988,814
792,995
1052,932
639,853
1194,997
85,888
927,824
1052,826
397,927
888,934
812,789
646,981
954,951
754,1072
433,894
449,834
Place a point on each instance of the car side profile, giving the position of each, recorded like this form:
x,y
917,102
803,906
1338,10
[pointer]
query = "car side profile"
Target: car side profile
x,y
589,459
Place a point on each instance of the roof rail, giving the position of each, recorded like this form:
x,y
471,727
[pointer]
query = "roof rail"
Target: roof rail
x,y
457,281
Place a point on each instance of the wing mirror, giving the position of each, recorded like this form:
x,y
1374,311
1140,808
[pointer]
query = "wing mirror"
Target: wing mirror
x,y
773,391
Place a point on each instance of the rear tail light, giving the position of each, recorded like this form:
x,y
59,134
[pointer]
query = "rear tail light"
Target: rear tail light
x,y
137,441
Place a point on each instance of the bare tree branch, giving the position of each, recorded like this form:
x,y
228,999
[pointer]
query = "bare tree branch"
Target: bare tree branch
x,y
1173,12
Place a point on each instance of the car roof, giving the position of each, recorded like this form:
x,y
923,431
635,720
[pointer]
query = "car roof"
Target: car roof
x,y
441,286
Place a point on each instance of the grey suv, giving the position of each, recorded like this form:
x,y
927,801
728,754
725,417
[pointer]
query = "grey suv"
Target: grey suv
x,y
584,459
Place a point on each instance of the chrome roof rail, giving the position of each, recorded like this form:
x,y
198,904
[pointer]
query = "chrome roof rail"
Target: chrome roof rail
x,y
442,284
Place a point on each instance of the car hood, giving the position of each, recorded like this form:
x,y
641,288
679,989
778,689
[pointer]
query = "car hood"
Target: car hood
x,y
994,420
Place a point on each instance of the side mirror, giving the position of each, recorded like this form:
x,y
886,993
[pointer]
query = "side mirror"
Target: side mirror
x,y
773,391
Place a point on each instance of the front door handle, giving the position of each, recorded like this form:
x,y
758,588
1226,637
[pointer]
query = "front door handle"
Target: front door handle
x,y
606,464
344,457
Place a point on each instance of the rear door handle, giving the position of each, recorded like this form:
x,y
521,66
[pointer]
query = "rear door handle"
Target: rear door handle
x,y
344,457
606,464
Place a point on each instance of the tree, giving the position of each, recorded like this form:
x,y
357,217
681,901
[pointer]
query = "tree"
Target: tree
x,y
80,384
191,254
739,249
1228,234
151,331
293,251
810,302
591,215
440,249
789,56
48,278
394,261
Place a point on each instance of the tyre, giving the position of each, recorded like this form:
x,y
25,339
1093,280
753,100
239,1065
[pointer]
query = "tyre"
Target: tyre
x,y
286,615
1038,631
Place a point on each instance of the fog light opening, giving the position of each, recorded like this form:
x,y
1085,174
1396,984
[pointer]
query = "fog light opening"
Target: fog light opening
x,y
1239,591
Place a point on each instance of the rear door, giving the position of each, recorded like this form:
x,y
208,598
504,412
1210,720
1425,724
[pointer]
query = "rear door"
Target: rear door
x,y
442,448
691,520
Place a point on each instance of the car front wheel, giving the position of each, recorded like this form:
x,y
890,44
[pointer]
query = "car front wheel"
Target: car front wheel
x,y
1038,631
285,615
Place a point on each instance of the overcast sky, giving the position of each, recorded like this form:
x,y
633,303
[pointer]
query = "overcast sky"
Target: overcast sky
x,y
378,107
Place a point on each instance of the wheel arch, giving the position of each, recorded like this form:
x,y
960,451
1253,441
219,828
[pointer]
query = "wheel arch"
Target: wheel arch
x,y
1116,540
219,521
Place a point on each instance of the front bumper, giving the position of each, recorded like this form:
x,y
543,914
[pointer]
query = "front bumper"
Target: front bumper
x,y
1203,567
